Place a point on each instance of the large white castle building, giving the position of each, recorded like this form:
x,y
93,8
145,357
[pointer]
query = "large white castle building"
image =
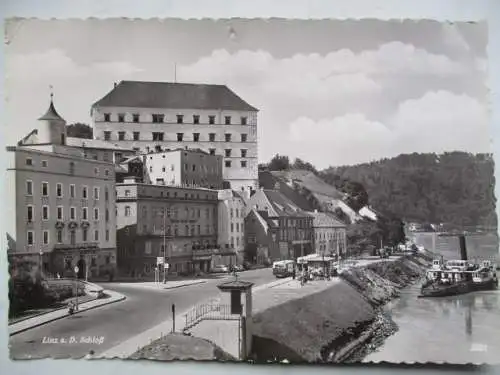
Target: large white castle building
x,y
157,116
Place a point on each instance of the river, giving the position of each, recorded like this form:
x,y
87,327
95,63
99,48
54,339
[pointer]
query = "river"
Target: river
x,y
460,329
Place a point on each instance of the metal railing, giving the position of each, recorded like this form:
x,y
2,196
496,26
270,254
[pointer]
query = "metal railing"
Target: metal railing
x,y
208,311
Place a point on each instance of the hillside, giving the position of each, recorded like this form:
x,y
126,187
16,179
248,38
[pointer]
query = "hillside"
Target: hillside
x,y
455,188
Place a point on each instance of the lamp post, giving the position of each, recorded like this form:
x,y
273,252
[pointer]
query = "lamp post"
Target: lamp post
x,y
164,245
41,263
76,287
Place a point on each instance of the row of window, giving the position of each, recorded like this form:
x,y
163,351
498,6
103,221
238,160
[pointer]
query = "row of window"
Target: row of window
x,y
29,162
30,213
127,193
173,212
30,236
232,211
229,164
72,190
176,230
237,227
159,118
202,168
329,235
160,137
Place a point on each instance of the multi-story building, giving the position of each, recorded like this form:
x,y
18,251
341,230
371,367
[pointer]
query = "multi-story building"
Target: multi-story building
x,y
179,224
154,116
61,205
231,227
100,150
183,167
289,228
329,234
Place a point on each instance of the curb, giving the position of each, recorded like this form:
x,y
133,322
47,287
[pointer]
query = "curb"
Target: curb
x,y
181,286
65,316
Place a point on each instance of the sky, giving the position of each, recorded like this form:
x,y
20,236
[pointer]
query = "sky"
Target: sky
x,y
331,92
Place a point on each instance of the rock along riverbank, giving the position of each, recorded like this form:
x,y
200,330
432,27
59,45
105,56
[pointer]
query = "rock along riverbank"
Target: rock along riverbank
x,y
339,323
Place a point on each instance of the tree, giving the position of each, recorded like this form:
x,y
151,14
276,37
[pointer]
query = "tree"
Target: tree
x,y
303,165
357,197
279,163
79,130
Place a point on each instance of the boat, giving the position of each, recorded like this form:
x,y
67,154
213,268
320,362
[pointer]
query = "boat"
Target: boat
x,y
458,277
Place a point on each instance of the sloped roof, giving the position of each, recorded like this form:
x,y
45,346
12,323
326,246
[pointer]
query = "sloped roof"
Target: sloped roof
x,y
323,219
173,95
94,143
51,114
276,204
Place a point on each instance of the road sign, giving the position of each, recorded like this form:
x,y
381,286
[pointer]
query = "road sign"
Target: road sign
x,y
76,269
159,260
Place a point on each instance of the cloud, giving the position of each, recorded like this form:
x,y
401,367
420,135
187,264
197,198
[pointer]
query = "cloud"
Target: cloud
x,y
436,122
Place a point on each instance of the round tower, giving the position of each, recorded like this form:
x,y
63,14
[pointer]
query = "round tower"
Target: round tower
x,y
52,127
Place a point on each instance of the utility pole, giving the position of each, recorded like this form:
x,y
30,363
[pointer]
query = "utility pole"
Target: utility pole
x,y
164,245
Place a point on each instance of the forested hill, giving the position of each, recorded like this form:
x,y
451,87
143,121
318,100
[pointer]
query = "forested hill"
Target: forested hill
x,y
455,187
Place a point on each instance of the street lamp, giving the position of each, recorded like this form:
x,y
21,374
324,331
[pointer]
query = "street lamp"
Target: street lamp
x,y
41,263
164,245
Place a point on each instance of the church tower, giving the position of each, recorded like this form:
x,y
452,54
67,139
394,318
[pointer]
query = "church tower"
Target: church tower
x,y
52,127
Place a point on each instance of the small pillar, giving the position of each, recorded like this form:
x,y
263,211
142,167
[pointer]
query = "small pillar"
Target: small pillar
x,y
234,289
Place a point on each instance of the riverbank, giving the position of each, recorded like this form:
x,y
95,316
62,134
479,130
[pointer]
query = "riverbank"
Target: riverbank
x,y
338,322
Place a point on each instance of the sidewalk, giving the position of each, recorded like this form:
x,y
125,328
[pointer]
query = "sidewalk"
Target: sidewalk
x,y
167,285
39,320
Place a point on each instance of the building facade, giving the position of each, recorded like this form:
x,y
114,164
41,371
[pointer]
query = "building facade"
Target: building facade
x,y
62,205
231,227
155,116
290,229
184,167
96,149
329,234
179,224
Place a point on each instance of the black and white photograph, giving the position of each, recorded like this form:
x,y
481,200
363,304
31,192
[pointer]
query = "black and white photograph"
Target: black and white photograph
x,y
252,190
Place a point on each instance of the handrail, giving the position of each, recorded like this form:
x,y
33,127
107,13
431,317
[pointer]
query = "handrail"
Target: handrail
x,y
208,311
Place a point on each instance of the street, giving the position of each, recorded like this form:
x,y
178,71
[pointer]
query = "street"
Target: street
x,y
105,327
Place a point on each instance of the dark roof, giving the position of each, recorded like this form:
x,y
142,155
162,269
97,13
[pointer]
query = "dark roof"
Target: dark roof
x,y
51,113
173,95
282,205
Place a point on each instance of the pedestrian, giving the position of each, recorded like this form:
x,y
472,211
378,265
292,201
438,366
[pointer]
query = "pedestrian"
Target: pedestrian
x,y
293,273
58,276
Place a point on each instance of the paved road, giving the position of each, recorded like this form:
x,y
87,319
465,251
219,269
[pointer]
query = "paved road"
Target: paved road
x,y
143,309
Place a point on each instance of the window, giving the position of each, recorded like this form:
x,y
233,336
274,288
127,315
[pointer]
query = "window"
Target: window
x,y
227,120
45,189
45,213
180,119
107,214
243,120
72,237
60,213
96,193
71,167
157,136
196,119
96,170
158,148
243,138
106,172
29,213
135,117
127,193
59,190
106,193
180,136
85,234
127,210
107,234
228,137
72,213
72,191
211,120
107,135
227,163
243,164
121,136
196,137
30,237
45,163
45,237
84,192
227,152
137,136
59,236
29,187
96,235
211,137
107,117
232,227
158,118
29,161
96,213
237,227
121,117
85,213
243,153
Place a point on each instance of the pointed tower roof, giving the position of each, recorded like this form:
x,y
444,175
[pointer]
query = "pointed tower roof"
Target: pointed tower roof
x,y
51,113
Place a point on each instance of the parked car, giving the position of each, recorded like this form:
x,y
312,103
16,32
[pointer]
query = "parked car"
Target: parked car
x,y
221,268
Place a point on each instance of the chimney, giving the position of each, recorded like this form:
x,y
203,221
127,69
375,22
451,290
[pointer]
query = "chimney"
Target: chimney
x,y
463,248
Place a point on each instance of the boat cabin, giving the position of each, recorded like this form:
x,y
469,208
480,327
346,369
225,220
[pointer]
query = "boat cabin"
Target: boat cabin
x,y
461,265
448,276
437,264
